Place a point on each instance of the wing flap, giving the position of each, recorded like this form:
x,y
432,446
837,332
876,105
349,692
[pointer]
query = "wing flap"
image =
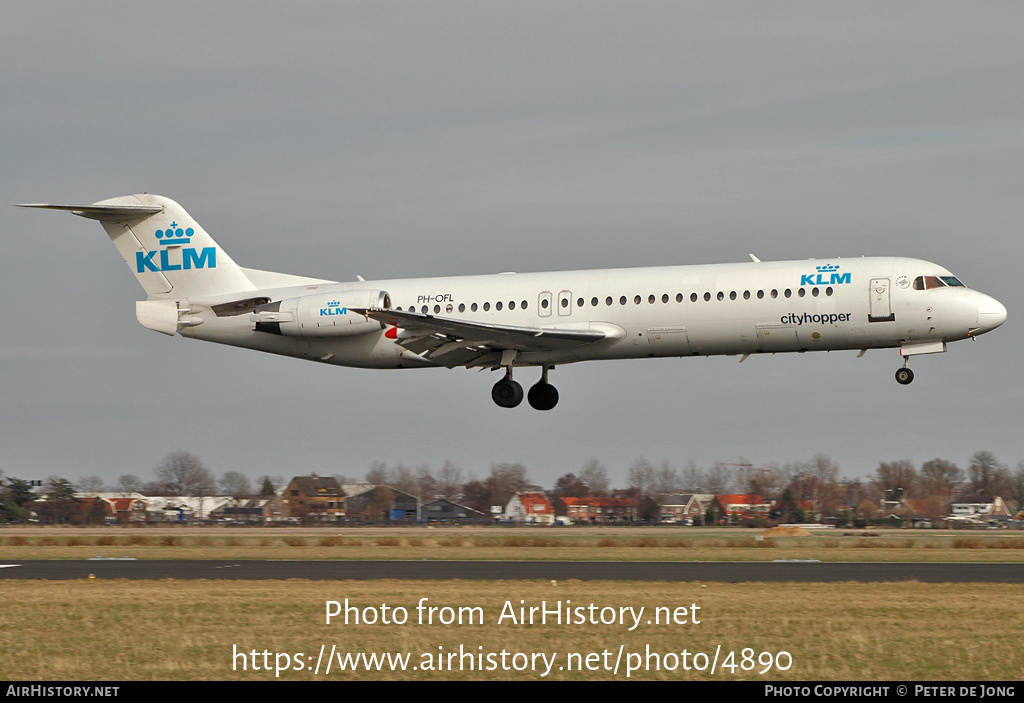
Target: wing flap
x,y
452,342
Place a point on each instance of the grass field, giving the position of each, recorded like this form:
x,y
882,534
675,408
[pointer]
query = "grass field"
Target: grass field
x,y
589,544
132,630
207,630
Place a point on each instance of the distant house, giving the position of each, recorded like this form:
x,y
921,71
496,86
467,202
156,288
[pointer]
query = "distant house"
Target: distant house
x,y
734,507
445,511
129,511
675,508
383,504
125,508
261,510
530,508
315,499
980,510
595,510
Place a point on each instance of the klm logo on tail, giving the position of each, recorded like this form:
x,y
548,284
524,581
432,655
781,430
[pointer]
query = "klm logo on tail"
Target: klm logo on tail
x,y
174,256
827,275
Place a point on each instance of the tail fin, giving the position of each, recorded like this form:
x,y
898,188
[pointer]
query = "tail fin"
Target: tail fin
x,y
169,253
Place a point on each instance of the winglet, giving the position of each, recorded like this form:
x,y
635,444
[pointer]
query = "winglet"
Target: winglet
x,y
754,259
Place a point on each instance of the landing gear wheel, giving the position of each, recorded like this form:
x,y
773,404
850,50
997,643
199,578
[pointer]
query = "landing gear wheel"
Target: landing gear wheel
x,y
904,376
543,396
507,393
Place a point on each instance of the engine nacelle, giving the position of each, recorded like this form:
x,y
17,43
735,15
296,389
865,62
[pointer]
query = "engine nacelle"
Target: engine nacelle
x,y
321,315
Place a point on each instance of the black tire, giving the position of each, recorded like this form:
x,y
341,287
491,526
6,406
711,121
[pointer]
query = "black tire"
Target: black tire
x,y
507,393
543,396
904,376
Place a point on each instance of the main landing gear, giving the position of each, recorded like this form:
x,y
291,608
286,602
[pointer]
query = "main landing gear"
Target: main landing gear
x,y
508,394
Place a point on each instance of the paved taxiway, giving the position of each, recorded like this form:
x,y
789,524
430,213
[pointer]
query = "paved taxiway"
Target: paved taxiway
x,y
802,571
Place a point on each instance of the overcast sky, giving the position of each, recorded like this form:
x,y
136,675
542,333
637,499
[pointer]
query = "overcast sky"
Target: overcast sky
x,y
394,139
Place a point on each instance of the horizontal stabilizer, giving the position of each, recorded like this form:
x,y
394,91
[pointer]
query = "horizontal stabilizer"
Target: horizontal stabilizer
x,y
103,213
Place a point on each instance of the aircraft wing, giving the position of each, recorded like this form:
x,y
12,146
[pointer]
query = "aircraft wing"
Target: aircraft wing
x,y
454,343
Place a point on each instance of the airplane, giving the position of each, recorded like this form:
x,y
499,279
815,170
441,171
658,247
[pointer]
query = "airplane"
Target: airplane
x,y
510,320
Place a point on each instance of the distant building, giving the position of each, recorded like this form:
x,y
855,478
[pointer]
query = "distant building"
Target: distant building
x,y
678,507
315,499
530,508
383,504
595,510
734,507
445,511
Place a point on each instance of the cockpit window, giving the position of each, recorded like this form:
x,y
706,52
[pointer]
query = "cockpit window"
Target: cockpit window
x,y
952,281
930,282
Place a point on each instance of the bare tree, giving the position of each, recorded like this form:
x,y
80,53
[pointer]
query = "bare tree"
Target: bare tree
x,y
938,477
986,477
449,479
184,474
505,480
896,479
377,474
641,476
235,484
666,479
90,484
129,483
595,475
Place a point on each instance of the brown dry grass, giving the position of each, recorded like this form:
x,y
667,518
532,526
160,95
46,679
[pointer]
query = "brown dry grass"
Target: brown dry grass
x,y
647,544
173,630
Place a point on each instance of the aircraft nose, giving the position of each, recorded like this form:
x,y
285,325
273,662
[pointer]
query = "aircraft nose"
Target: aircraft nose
x,y
991,313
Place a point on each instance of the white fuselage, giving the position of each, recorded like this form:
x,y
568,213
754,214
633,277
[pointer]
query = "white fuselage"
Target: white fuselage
x,y
744,308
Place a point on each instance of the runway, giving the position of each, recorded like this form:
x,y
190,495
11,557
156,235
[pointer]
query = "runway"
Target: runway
x,y
735,572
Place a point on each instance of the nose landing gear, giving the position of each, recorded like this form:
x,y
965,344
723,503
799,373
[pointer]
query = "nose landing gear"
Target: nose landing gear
x,y
904,376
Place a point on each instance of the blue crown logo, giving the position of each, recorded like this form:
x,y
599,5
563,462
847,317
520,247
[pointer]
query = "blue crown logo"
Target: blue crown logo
x,y
174,235
827,268
333,304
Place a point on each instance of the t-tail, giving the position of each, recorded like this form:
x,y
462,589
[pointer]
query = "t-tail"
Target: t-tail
x,y
170,254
